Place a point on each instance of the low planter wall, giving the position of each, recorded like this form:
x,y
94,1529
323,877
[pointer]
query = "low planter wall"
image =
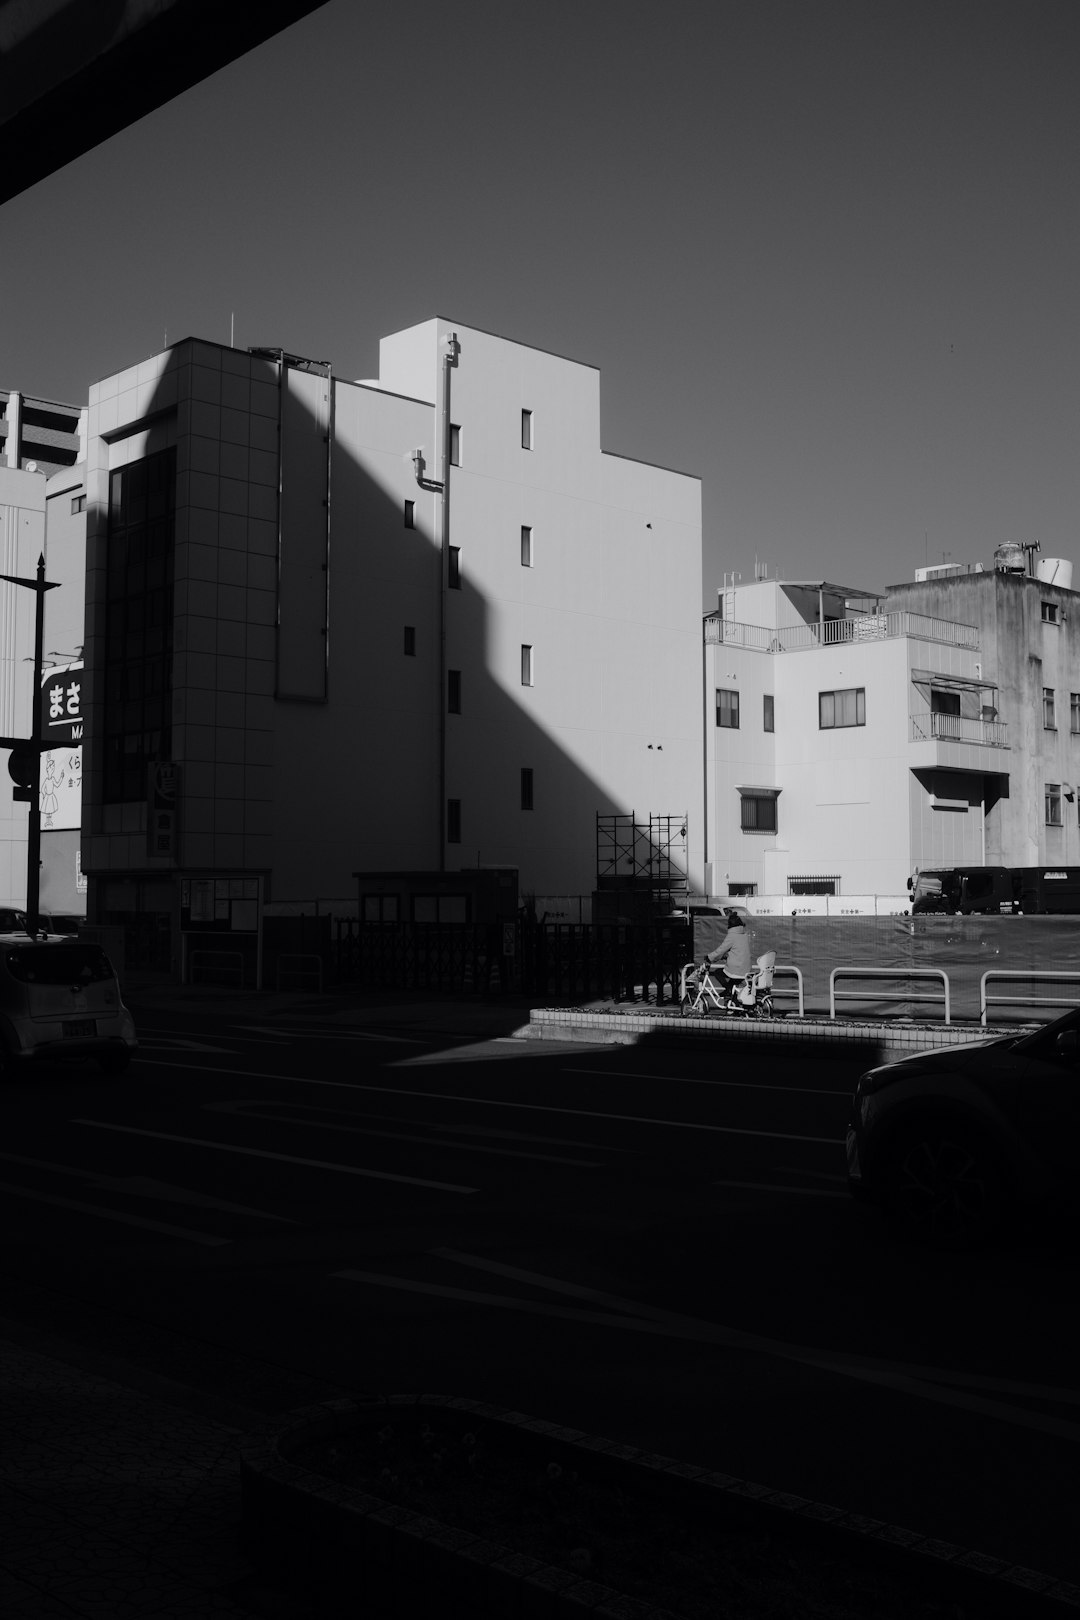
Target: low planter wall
x,y
347,1551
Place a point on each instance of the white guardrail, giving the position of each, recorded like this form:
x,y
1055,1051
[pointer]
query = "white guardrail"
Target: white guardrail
x,y
798,991
885,973
986,1000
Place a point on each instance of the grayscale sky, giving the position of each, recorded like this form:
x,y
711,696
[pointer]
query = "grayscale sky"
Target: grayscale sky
x,y
826,254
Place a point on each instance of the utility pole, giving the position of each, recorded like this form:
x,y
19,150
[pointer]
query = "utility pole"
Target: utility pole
x,y
24,766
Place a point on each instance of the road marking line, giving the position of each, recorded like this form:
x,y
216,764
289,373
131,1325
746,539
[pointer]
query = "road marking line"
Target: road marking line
x,y
287,1158
779,1187
854,1366
499,1102
246,1110
726,1338
172,1043
146,1187
329,1032
689,1080
115,1215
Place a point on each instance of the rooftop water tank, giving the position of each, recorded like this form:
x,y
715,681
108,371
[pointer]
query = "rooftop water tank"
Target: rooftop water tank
x,y
1055,571
1010,558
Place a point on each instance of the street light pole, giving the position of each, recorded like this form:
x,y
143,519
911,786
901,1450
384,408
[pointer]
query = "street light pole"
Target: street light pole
x,y
31,746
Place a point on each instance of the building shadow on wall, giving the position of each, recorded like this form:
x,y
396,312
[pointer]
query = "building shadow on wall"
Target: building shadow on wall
x,y
356,784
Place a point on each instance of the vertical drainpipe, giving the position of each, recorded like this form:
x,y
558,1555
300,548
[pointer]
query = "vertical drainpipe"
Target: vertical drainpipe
x,y
449,361
705,757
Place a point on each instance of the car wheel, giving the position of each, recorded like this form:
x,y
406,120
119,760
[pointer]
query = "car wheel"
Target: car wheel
x,y
944,1185
113,1062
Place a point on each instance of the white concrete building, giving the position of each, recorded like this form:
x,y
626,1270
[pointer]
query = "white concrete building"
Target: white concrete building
x,y
846,742
417,623
40,515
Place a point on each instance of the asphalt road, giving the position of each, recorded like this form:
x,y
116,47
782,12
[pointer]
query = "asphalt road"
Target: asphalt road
x,y
649,1244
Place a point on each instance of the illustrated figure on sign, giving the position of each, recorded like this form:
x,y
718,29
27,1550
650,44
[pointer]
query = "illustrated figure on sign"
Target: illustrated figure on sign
x,y
49,785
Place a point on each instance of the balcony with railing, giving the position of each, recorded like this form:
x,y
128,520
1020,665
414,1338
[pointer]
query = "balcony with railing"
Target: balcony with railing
x,y
933,727
838,632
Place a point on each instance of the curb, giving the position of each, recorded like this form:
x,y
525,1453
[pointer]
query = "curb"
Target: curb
x,y
335,1539
886,1037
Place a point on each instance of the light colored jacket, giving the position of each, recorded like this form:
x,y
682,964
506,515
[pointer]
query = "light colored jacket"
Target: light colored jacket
x,y
734,953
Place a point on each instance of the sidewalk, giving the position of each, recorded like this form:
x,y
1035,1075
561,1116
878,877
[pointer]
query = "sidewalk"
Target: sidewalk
x,y
115,1505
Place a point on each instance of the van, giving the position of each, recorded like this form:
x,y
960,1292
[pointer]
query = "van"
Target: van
x,y
60,999
987,890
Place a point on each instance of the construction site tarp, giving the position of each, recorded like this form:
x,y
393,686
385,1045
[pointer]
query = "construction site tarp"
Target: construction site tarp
x,y
1038,953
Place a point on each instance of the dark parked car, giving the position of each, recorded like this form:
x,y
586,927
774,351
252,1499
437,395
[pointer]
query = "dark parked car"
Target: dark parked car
x,y
951,1142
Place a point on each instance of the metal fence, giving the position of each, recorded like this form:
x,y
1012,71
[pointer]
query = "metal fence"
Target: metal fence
x,y
557,961
838,632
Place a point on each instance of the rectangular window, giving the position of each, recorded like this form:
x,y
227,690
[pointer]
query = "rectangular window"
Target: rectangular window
x,y
453,821
727,709
526,665
453,568
410,641
526,545
1049,722
441,908
453,691
1074,712
844,708
455,445
1053,804
78,504
736,889
138,653
380,908
813,885
526,787
1050,613
526,430
410,509
942,702
758,812
768,718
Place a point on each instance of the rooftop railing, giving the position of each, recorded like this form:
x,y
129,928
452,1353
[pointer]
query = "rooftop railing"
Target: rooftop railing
x,y
837,632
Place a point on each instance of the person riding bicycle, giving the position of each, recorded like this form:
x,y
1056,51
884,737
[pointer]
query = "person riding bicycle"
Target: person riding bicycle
x,y
733,954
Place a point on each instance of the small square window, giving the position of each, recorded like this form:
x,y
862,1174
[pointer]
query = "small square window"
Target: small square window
x,y
768,715
455,445
526,665
410,641
453,691
526,546
758,812
526,788
526,430
453,821
410,509
727,709
453,568
78,504
1049,613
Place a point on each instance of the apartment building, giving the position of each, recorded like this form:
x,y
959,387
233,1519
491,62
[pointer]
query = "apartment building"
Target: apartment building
x,y
856,735
421,622
848,741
